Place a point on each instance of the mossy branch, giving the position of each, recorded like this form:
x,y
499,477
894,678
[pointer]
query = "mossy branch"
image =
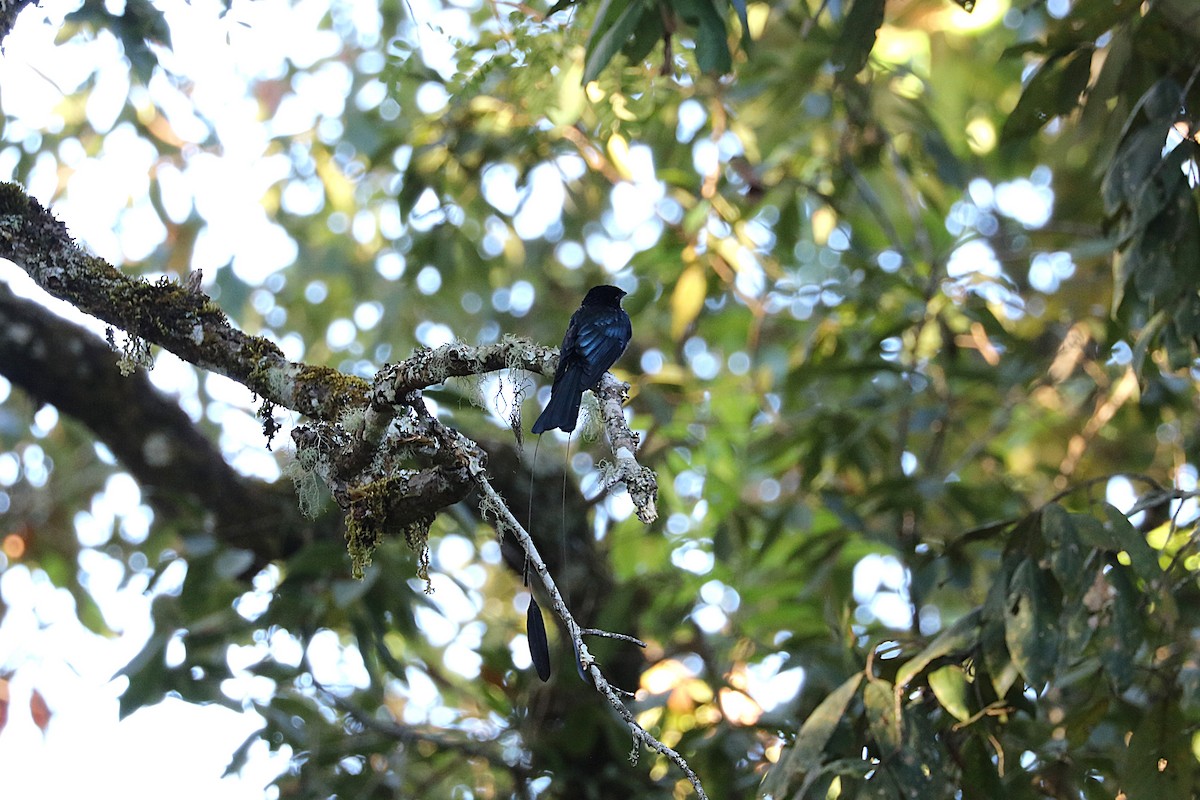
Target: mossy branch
x,y
431,367
171,315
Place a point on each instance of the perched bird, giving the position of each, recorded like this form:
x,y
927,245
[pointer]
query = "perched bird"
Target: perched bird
x,y
595,339
596,336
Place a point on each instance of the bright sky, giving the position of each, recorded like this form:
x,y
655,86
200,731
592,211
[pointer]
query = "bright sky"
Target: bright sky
x,y
108,206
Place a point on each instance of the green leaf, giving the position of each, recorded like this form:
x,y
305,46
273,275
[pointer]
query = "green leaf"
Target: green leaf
x,y
1077,623
560,5
960,637
950,170
712,36
1127,538
1179,352
1117,535
1067,556
1159,761
1123,634
1093,703
1095,533
646,33
740,7
1149,334
1052,91
918,768
147,674
1187,318
806,753
535,632
980,781
951,688
996,658
857,38
1088,20
372,637
712,42
1002,672
411,189
883,715
1163,185
1131,166
1030,628
614,25
836,503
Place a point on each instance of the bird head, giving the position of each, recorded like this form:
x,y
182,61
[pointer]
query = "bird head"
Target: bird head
x,y
604,296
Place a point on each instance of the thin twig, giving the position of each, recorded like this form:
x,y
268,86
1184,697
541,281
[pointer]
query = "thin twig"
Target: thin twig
x,y
408,734
1090,482
624,637
505,522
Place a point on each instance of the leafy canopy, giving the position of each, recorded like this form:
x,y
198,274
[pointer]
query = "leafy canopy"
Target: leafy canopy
x,y
909,288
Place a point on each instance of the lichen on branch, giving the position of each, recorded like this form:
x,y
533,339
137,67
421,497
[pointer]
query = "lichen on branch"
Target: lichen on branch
x,y
171,315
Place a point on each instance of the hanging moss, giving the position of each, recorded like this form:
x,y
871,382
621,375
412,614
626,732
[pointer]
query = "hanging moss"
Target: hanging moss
x,y
368,520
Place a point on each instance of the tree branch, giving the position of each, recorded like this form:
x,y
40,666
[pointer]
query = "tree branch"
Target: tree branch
x,y
9,10
431,367
167,314
61,363
493,506
410,734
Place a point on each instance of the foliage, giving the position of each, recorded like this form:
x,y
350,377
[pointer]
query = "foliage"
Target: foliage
x,y
884,399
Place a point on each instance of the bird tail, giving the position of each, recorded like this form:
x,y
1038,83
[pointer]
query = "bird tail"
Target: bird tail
x,y
563,409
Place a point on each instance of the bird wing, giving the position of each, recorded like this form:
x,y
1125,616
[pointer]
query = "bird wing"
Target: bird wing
x,y
597,340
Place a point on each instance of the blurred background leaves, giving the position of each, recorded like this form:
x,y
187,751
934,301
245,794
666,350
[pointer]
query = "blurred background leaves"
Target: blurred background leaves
x,y
909,287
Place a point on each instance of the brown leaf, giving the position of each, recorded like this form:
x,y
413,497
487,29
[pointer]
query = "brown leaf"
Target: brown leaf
x,y
39,710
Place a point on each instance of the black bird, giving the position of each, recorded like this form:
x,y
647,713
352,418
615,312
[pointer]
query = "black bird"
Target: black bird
x,y
595,339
